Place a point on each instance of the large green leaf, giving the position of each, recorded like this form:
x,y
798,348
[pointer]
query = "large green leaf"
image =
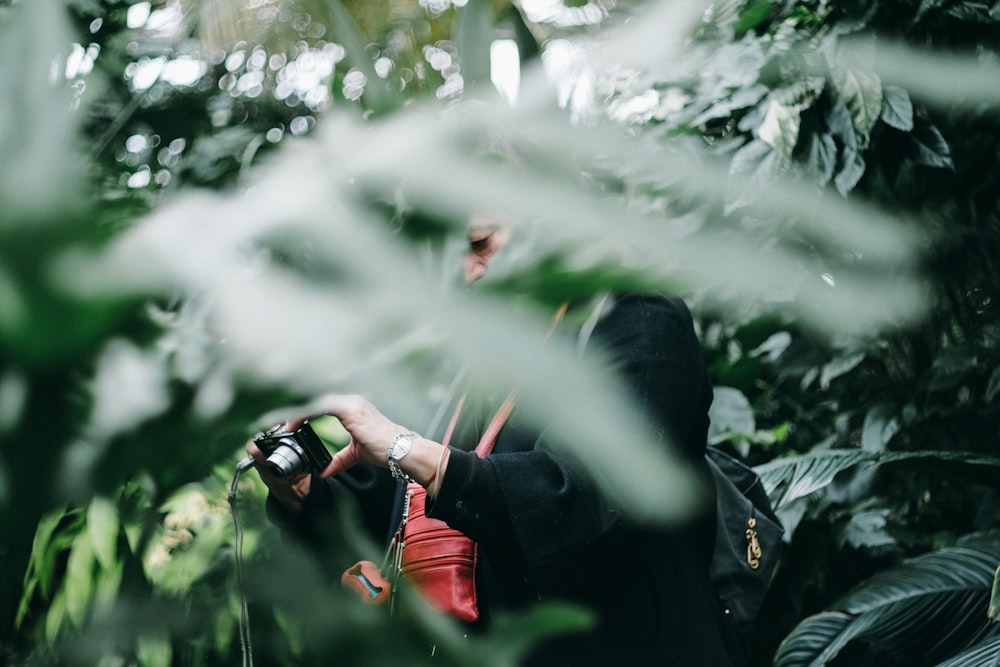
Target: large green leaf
x,y
79,583
861,90
754,167
102,527
927,608
780,127
897,109
851,171
821,157
730,413
791,478
45,549
983,654
930,146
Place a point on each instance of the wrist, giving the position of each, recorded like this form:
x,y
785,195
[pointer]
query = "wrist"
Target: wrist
x,y
421,463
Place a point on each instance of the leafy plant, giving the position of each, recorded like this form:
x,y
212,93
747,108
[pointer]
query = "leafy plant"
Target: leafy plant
x,y
817,179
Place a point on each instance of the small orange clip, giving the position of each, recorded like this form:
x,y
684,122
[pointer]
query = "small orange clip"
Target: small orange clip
x,y
365,579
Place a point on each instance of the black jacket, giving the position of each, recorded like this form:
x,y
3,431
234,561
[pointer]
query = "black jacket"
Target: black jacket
x,y
546,533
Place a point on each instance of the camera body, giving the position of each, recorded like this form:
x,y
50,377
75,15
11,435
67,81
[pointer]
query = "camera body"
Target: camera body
x,y
293,453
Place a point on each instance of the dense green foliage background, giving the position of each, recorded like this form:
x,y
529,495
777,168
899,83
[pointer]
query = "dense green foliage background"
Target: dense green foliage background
x,y
211,211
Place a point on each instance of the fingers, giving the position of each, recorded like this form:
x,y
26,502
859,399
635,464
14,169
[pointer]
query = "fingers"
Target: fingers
x,y
346,458
341,405
292,425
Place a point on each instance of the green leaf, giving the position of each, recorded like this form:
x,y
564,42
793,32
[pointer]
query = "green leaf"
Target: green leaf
x,y
803,475
108,585
839,366
40,563
102,526
55,615
838,119
926,6
861,91
79,582
897,109
983,654
752,16
867,530
730,412
741,98
993,386
154,650
978,12
994,607
821,157
851,172
754,166
800,476
902,611
931,149
879,427
780,127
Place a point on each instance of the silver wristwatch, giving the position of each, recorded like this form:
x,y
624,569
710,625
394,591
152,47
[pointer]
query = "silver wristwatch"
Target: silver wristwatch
x,y
398,448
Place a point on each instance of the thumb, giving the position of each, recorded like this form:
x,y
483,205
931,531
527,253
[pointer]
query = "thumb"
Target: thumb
x,y
346,458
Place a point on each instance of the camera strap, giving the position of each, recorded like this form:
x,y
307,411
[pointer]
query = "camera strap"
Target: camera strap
x,y
244,623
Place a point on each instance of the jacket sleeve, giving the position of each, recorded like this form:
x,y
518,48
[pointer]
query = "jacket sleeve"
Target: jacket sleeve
x,y
534,509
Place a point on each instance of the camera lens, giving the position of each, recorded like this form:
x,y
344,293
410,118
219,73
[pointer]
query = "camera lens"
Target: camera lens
x,y
285,460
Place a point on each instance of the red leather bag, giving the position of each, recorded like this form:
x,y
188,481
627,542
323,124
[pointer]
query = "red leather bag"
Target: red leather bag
x,y
438,560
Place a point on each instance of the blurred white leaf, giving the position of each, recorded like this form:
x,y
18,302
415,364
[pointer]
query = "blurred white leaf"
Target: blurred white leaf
x,y
36,123
129,387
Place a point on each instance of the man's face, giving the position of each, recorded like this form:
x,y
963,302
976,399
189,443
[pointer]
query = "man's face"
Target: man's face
x,y
486,239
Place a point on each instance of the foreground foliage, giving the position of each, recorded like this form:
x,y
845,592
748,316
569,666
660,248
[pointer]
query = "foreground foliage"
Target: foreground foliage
x,y
818,180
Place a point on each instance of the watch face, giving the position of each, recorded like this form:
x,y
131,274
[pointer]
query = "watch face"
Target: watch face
x,y
401,448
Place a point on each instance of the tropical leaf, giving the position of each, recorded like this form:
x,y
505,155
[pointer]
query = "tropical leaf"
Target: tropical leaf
x,y
729,413
931,148
837,367
754,167
902,611
821,157
780,127
102,527
879,427
861,90
791,478
800,476
851,171
983,654
897,109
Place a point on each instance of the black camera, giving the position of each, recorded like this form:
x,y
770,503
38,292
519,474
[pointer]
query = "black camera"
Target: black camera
x,y
292,453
